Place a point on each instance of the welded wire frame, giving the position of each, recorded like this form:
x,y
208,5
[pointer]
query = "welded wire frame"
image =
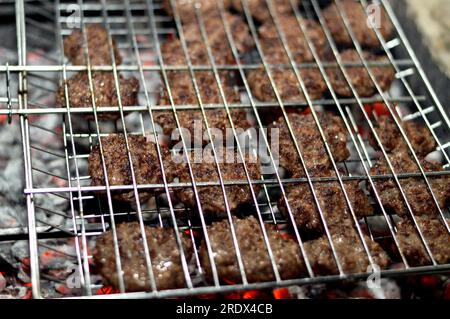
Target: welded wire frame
x,y
127,22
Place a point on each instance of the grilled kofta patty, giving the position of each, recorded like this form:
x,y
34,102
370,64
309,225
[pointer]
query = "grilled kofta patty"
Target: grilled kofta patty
x,y
358,19
310,142
145,164
97,43
260,11
253,251
358,75
186,8
164,253
205,170
390,136
331,200
435,234
350,252
415,188
105,93
216,33
183,92
297,44
287,85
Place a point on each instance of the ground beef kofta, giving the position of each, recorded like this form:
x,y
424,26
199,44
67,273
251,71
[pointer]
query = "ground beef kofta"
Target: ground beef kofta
x,y
164,254
186,8
309,141
297,44
331,200
415,188
255,257
260,11
349,249
358,75
97,43
105,93
146,165
435,234
287,85
358,21
216,33
390,136
183,93
205,170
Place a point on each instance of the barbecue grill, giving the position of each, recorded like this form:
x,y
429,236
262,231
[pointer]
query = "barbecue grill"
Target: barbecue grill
x,y
59,135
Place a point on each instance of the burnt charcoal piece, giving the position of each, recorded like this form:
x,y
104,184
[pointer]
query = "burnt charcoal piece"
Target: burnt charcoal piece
x,y
97,43
186,8
310,142
164,254
357,18
331,200
419,135
435,234
205,170
358,75
260,11
296,42
349,249
415,188
105,93
183,92
255,257
216,33
145,164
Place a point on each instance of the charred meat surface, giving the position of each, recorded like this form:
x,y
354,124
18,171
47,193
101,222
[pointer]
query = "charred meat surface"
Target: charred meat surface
x,y
358,75
296,41
183,93
350,252
260,11
97,44
415,188
145,164
255,257
435,234
205,170
105,93
310,142
331,200
390,136
164,253
357,18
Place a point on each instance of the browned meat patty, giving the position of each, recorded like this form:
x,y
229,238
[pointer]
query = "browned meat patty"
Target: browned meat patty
x,y
183,92
331,200
186,8
359,76
164,254
105,93
287,85
204,170
97,43
216,33
415,188
260,11
419,135
145,163
255,257
358,22
310,142
350,252
436,236
297,43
